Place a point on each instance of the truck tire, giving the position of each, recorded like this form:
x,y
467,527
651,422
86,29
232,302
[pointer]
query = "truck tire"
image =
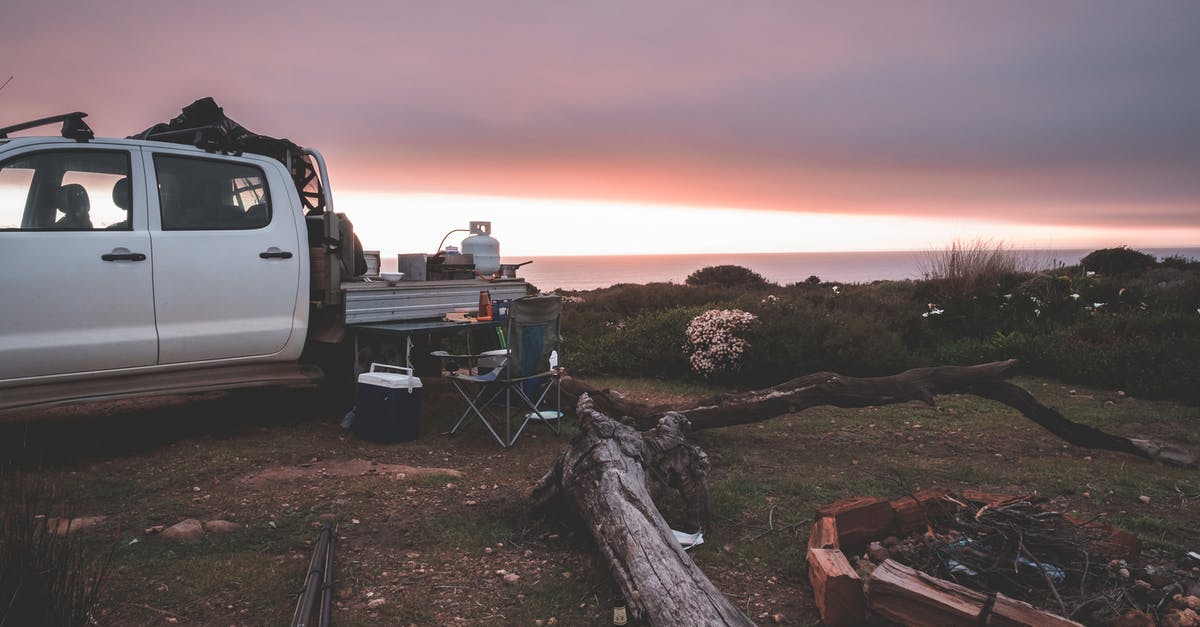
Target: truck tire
x,y
336,361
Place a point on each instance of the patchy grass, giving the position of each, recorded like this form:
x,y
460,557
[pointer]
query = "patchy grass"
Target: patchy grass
x,y
432,547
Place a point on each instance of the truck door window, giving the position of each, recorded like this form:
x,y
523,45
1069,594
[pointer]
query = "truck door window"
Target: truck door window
x,y
204,194
65,190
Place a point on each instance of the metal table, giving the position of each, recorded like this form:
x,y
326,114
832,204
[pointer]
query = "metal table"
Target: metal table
x,y
433,326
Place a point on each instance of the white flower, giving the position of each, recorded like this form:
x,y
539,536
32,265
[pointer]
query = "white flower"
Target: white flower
x,y
1074,296
712,346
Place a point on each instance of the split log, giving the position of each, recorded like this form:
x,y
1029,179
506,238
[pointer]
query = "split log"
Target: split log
x,y
918,384
837,589
910,597
861,519
1008,612
606,477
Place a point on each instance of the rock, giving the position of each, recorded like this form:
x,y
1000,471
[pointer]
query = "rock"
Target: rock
x,y
190,530
877,553
376,603
512,578
1192,602
1182,618
1123,573
221,526
153,529
63,526
1158,577
1135,618
1145,499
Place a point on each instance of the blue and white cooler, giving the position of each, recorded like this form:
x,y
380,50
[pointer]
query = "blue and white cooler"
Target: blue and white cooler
x,y
388,405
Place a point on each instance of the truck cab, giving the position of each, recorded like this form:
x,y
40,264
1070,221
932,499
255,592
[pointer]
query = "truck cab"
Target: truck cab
x,y
122,255
188,258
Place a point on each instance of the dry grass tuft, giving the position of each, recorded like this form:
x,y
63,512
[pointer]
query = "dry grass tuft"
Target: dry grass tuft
x,y
966,265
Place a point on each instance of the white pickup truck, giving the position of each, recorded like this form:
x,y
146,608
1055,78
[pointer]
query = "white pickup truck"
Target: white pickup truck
x,y
133,267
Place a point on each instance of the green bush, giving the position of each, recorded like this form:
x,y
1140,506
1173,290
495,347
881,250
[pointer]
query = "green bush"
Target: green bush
x,y
647,344
1117,260
1135,331
728,276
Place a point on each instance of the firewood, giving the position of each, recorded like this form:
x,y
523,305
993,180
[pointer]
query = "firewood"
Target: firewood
x,y
861,519
837,589
1006,612
917,511
909,597
824,534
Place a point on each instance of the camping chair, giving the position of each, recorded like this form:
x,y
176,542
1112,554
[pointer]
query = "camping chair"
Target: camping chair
x,y
526,378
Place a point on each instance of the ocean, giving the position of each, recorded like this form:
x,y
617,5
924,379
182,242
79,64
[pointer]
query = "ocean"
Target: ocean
x,y
591,272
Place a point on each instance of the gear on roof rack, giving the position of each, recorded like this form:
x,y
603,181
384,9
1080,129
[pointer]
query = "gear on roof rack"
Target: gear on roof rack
x,y
203,124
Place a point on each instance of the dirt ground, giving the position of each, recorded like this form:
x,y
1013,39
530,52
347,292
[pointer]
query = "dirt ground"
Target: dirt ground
x,y
428,530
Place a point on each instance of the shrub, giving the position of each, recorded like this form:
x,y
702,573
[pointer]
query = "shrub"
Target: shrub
x,y
646,344
1117,260
713,342
728,276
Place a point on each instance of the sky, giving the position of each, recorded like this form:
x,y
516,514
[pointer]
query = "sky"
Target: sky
x,y
658,127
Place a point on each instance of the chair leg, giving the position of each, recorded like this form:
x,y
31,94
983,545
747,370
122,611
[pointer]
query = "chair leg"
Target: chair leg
x,y
534,413
487,395
477,408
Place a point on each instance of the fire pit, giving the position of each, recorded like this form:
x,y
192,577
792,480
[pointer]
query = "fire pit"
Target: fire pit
x,y
973,558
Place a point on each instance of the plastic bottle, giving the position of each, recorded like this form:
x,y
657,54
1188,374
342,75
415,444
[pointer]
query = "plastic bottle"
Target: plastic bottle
x,y
485,306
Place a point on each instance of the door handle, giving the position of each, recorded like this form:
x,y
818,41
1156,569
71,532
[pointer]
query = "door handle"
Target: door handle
x,y
275,253
123,257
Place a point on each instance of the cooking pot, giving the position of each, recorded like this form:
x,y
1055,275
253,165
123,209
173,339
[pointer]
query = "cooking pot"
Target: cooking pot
x,y
509,270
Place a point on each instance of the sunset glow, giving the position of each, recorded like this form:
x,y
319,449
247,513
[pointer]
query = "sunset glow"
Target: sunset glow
x,y
403,223
627,128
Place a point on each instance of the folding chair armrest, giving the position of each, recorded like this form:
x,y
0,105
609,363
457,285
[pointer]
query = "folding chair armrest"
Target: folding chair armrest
x,y
445,355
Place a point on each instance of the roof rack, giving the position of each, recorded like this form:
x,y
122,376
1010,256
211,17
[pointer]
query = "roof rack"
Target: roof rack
x,y
73,126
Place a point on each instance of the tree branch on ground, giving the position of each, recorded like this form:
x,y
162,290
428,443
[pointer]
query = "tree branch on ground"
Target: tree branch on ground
x,y
918,384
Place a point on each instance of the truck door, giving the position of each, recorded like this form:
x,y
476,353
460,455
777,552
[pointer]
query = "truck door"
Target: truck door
x,y
227,256
76,262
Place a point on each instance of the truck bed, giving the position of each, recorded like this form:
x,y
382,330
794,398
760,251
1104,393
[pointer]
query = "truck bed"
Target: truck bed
x,y
416,300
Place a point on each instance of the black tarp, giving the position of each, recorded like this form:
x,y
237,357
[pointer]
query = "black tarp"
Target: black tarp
x,y
204,124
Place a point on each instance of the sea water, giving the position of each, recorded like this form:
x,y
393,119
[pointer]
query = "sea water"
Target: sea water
x,y
591,272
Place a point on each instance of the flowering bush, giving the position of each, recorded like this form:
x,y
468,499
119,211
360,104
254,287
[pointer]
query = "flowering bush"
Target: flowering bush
x,y
712,343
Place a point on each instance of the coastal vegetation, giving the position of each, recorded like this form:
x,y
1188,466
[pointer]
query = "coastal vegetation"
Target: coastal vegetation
x,y
454,538
1120,319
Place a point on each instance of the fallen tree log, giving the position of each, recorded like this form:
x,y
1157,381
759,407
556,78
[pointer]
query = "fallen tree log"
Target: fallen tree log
x,y
607,477
918,384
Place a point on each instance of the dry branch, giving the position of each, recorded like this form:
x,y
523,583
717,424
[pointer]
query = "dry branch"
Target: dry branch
x,y
918,384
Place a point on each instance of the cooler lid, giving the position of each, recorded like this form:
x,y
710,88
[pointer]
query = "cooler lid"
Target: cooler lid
x,y
390,379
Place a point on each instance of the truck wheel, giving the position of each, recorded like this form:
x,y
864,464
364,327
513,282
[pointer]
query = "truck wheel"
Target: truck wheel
x,y
336,391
